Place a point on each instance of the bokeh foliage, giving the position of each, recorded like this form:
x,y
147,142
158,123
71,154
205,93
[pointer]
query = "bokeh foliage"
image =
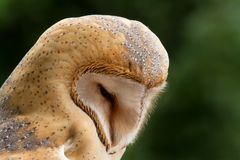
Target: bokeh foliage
x,y
199,114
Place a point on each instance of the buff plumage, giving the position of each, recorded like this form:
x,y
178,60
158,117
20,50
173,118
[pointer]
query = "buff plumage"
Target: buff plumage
x,y
46,105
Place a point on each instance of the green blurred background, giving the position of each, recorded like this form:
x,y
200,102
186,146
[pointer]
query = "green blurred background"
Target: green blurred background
x,y
198,116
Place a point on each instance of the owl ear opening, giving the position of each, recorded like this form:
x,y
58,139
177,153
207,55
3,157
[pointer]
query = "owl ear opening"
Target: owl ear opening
x,y
108,96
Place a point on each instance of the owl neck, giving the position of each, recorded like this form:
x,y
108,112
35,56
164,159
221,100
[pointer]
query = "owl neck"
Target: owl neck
x,y
39,78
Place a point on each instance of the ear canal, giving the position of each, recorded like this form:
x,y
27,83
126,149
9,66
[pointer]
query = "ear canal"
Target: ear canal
x,y
108,96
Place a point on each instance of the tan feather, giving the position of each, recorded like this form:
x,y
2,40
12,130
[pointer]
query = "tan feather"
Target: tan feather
x,y
82,91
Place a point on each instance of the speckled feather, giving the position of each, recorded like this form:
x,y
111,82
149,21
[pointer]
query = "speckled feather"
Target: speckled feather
x,y
37,113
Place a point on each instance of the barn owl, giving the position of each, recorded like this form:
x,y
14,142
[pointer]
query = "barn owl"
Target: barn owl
x,y
83,91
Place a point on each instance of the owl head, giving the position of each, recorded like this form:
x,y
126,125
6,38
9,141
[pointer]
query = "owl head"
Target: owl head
x,y
87,86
